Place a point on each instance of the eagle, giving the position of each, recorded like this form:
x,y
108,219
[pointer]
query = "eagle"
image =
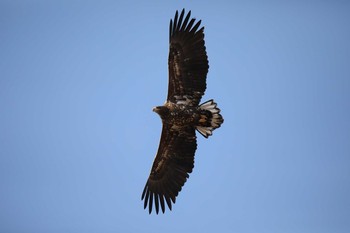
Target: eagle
x,y
182,114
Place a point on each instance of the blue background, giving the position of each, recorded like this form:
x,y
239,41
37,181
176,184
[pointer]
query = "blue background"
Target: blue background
x,y
78,80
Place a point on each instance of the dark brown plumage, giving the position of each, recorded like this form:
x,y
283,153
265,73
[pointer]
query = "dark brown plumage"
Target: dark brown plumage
x,y
181,114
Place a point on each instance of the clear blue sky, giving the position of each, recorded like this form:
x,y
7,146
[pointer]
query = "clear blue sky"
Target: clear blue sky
x,y
78,80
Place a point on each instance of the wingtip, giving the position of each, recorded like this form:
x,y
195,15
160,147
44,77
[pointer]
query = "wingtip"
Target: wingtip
x,y
144,192
156,202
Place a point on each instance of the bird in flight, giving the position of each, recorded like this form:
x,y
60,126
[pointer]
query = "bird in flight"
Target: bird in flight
x,y
182,114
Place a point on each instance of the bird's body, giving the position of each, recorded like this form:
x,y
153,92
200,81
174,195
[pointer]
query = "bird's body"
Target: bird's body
x,y
177,115
181,114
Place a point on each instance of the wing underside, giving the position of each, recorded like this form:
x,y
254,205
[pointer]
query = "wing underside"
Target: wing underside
x,y
188,61
173,162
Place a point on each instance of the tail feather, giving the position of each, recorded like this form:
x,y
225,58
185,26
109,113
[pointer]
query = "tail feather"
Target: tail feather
x,y
210,118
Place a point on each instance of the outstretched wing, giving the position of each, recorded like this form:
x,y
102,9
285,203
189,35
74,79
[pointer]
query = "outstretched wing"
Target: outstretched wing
x,y
173,162
188,61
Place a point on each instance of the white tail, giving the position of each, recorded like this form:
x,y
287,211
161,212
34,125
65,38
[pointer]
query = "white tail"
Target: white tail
x,y
210,118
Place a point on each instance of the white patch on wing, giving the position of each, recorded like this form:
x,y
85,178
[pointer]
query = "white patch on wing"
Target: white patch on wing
x,y
177,69
175,127
185,100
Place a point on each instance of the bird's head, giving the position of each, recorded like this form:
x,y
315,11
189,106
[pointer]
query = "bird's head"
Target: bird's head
x,y
161,110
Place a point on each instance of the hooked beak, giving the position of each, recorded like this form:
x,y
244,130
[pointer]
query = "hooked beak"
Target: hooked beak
x,y
157,109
